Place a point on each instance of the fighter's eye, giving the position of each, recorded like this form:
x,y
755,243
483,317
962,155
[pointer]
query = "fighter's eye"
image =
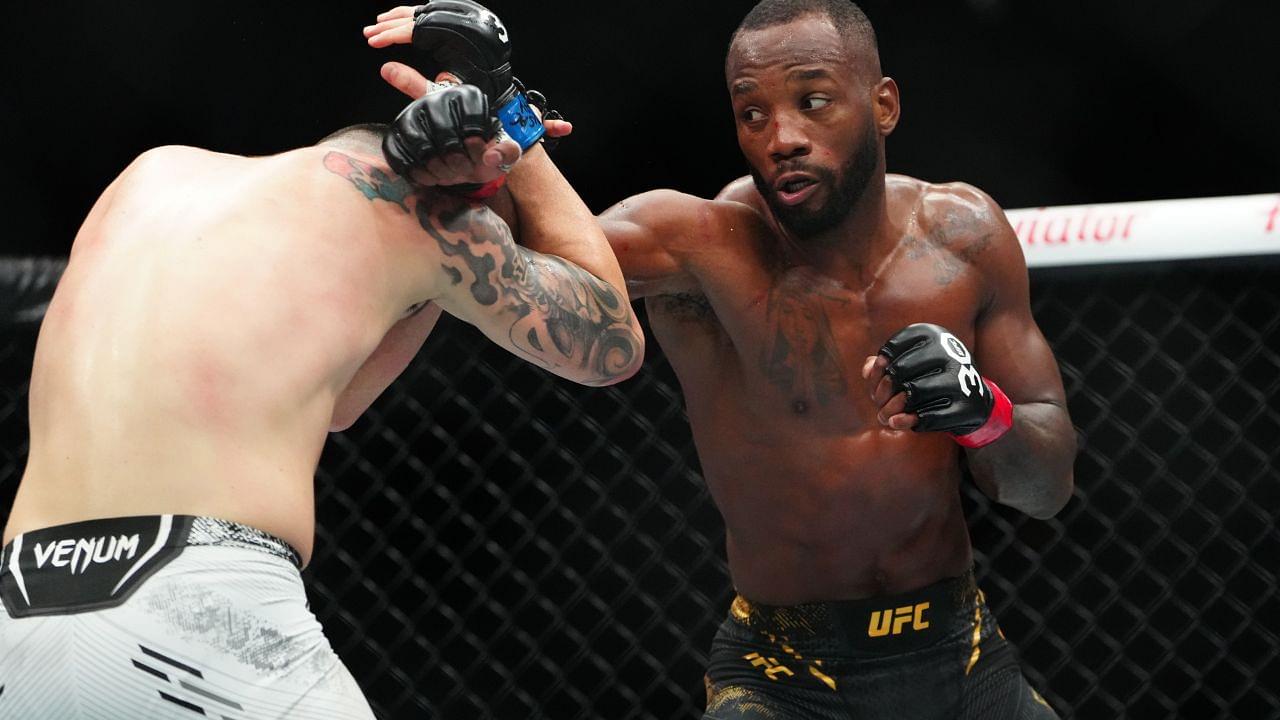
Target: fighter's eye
x,y
752,115
814,102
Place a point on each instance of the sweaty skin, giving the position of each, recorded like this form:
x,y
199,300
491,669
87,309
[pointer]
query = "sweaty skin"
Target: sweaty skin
x,y
220,314
773,329
769,332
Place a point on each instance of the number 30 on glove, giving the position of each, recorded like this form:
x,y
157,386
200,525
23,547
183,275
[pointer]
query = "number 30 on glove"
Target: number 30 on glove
x,y
927,371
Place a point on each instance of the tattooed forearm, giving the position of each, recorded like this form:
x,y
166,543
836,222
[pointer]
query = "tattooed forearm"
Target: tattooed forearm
x,y
373,182
562,314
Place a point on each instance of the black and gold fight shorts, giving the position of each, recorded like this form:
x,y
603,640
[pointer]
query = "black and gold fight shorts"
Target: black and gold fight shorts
x,y
933,653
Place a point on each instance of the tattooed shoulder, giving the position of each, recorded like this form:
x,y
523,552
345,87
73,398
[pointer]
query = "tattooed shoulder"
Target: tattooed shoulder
x,y
956,226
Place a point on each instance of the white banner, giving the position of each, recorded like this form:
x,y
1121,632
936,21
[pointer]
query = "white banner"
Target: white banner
x,y
1147,231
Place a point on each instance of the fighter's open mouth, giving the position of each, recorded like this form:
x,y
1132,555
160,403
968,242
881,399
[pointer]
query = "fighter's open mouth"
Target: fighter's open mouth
x,y
796,185
795,188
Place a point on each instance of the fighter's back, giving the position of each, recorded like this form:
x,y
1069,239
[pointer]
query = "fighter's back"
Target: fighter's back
x,y
214,309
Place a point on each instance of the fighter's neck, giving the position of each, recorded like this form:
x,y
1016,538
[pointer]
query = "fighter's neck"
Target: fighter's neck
x,y
854,241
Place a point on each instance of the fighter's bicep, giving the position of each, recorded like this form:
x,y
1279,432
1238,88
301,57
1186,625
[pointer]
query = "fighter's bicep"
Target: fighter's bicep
x,y
647,264
1013,352
653,235
1010,348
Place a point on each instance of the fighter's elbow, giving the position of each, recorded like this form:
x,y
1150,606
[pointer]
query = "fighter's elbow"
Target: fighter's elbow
x,y
343,418
1055,499
341,424
627,372
621,359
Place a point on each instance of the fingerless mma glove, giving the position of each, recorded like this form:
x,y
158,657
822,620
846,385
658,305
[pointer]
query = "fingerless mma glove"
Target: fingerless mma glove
x,y
943,387
435,124
466,39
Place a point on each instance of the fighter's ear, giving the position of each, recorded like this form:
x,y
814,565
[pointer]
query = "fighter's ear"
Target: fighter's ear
x,y
888,107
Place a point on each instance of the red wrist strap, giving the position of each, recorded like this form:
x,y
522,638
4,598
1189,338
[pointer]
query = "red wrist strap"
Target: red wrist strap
x,y
487,190
997,425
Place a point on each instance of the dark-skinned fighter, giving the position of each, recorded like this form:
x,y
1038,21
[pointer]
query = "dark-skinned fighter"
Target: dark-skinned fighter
x,y
847,341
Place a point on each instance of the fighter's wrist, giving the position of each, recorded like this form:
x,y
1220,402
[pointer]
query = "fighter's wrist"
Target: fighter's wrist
x,y
520,121
999,422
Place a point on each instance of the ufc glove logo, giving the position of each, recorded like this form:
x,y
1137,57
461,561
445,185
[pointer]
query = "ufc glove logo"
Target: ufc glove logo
x,y
968,375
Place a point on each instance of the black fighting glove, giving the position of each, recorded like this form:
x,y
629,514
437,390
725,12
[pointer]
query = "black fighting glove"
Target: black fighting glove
x,y
466,39
943,387
436,124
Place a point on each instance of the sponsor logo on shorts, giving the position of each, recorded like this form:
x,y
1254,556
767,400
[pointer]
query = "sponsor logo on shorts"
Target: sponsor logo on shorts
x,y
80,553
895,621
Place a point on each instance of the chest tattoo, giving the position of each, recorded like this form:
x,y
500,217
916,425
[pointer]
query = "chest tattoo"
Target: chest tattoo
x,y
800,356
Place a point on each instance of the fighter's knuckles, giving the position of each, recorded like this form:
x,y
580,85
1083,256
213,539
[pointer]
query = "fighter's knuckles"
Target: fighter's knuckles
x,y
459,164
907,339
475,147
423,177
437,167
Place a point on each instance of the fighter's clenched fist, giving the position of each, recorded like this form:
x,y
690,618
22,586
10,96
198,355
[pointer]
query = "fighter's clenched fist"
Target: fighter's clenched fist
x,y
468,40
453,121
924,379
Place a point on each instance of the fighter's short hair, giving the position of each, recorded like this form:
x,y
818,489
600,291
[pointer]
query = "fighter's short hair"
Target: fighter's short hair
x,y
849,20
361,136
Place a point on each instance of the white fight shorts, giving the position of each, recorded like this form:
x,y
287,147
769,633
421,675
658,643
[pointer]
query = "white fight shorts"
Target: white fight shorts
x,y
165,616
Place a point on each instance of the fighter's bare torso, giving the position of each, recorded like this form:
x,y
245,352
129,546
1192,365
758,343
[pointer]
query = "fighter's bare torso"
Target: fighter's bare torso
x,y
218,316
820,500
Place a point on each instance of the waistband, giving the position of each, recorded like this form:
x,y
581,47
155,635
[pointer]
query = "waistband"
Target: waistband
x,y
96,564
886,624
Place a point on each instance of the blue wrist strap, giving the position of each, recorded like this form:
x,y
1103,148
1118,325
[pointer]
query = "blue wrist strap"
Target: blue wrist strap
x,y
520,122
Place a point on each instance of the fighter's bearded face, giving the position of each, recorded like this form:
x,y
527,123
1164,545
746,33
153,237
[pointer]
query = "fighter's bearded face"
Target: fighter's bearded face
x,y
807,120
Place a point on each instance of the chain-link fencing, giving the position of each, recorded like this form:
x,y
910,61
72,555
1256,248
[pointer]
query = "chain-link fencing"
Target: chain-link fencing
x,y
493,542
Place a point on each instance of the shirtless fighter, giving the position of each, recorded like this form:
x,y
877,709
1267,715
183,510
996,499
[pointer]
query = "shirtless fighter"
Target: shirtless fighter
x,y
846,341
218,316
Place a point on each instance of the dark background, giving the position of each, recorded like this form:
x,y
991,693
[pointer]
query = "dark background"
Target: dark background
x,y
1039,103
493,542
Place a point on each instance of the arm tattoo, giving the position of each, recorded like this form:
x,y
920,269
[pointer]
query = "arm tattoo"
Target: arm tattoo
x,y
557,305
801,356
373,182
563,314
